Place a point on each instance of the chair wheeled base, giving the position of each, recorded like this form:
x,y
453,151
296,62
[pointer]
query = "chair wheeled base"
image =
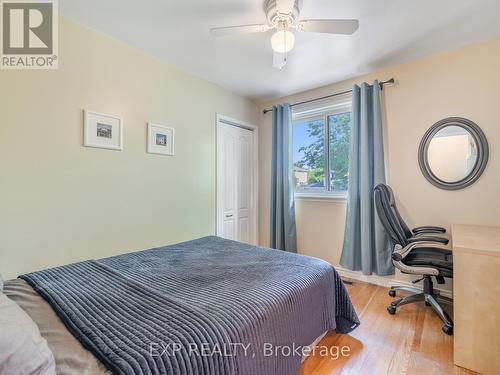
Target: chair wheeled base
x,y
426,295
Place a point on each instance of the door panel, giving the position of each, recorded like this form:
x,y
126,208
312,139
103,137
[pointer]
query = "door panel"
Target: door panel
x,y
230,181
245,185
245,171
230,231
244,230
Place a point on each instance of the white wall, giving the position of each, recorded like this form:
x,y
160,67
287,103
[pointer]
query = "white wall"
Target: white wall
x,y
61,202
463,82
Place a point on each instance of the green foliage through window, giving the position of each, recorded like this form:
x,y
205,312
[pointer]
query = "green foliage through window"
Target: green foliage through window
x,y
340,135
310,151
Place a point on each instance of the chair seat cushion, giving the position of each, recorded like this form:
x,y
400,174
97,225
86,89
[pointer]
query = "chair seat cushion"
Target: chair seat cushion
x,y
440,259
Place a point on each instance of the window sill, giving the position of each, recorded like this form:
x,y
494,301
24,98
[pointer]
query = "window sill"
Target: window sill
x,y
339,197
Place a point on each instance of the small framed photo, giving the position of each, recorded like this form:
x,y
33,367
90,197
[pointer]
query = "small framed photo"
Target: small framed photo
x,y
160,140
102,131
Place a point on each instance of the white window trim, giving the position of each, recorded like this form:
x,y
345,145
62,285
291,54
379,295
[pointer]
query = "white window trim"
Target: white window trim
x,y
314,112
323,196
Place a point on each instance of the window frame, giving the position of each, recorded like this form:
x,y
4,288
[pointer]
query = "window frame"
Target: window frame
x,y
317,113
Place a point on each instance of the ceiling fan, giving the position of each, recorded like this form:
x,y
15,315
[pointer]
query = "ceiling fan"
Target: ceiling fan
x,y
283,16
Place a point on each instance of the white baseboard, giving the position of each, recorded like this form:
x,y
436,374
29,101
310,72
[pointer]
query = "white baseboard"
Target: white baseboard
x,y
385,281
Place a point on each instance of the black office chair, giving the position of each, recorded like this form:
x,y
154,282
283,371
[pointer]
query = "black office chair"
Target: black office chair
x,y
417,255
412,235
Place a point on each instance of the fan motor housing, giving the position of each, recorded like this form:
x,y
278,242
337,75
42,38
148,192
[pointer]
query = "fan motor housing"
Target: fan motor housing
x,y
275,18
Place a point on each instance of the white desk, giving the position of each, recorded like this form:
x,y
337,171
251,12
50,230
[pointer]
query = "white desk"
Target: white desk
x,y
476,295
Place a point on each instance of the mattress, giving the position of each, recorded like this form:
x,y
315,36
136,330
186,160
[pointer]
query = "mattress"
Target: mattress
x,y
70,356
231,292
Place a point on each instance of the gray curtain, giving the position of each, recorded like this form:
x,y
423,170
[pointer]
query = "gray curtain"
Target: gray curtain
x,y
366,245
283,231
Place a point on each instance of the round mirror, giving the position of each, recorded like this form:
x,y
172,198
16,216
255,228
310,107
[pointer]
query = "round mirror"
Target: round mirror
x,y
453,153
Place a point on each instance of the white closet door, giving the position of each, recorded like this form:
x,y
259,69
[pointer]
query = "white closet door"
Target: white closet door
x,y
236,205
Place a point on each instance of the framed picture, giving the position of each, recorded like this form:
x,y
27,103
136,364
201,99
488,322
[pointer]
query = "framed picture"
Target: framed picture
x,y
160,140
102,131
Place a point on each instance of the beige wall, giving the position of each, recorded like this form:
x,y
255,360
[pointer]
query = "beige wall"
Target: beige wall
x,y
464,82
61,202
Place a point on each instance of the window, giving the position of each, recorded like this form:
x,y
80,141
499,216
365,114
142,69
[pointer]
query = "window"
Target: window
x,y
321,143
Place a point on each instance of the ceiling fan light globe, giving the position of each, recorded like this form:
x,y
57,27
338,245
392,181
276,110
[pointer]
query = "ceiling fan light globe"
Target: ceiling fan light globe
x,y
283,41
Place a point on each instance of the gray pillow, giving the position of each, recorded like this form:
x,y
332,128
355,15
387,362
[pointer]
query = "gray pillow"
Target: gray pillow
x,y
1,283
23,351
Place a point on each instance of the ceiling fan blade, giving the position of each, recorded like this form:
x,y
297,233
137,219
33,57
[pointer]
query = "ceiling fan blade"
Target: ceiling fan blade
x,y
237,30
279,60
285,6
346,27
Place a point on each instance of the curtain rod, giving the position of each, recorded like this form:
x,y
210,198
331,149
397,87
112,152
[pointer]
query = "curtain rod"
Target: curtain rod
x,y
389,81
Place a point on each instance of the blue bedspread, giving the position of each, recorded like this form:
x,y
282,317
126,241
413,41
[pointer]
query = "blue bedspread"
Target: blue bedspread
x,y
208,306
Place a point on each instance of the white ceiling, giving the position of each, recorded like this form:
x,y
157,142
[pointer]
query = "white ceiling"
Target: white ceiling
x,y
391,31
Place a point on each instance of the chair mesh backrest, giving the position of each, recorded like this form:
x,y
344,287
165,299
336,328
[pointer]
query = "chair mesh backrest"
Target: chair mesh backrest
x,y
388,217
402,223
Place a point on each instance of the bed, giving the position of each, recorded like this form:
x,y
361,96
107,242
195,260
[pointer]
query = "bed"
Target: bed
x,y
207,306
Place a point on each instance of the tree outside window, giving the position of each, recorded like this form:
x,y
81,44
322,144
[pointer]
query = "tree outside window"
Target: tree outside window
x,y
311,153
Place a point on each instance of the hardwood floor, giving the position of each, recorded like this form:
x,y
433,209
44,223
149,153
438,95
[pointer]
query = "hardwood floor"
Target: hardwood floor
x,y
410,342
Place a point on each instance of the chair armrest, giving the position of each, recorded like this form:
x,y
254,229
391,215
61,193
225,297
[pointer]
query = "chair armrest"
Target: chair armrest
x,y
429,229
437,239
399,252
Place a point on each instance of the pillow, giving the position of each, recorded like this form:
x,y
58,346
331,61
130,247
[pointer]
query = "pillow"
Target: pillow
x,y
1,283
23,351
